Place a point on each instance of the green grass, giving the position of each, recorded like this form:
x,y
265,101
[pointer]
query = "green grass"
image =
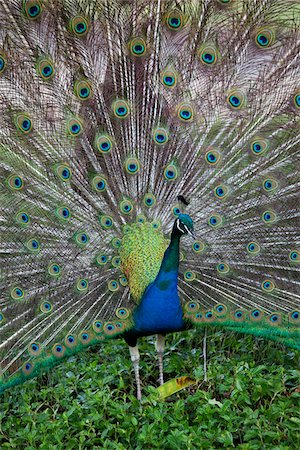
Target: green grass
x,y
250,401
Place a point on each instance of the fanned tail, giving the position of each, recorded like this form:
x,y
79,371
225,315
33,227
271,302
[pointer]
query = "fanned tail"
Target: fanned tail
x,y
109,111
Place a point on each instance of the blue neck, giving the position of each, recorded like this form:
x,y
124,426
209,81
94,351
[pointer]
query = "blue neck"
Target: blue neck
x,y
160,311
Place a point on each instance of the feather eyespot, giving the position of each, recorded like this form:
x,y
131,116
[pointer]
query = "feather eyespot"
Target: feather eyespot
x,y
185,112
132,166
106,222
82,285
123,281
103,144
256,315
126,207
81,238
23,123
160,136
17,293
116,261
99,183
223,268
268,285
79,25
70,341
58,350
149,200
174,20
34,349
294,317
15,182
236,99
140,218
120,109
27,368
215,221
297,100
113,285
46,307
33,245
45,68
32,9
198,247
171,172
264,38
101,260
122,313
253,248
259,146
221,191
3,63
74,127
83,90
189,275
97,326
138,47
169,78
22,218
270,184
63,213
294,256
208,54
2,318
212,157
63,171
116,242
269,217
54,270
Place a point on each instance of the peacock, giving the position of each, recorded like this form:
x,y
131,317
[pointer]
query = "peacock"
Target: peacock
x,y
149,174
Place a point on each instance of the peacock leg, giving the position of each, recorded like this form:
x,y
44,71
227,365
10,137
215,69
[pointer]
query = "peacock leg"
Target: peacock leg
x,y
135,358
160,346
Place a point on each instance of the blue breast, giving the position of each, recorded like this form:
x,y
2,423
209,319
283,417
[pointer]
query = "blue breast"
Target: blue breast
x,y
160,310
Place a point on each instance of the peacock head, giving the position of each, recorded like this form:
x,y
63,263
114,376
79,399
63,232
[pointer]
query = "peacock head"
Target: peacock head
x,y
184,225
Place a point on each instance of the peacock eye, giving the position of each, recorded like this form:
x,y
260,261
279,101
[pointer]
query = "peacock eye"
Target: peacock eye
x,y
236,99
106,222
3,63
221,191
171,172
185,112
83,89
253,247
208,54
45,68
174,20
269,217
74,127
259,146
149,200
264,38
63,213
23,123
32,9
160,136
103,143
137,47
215,220
126,207
79,26
99,183
132,166
212,157
120,109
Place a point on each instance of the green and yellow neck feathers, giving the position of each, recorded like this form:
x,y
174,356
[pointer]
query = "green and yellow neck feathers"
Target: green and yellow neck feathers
x,y
141,252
